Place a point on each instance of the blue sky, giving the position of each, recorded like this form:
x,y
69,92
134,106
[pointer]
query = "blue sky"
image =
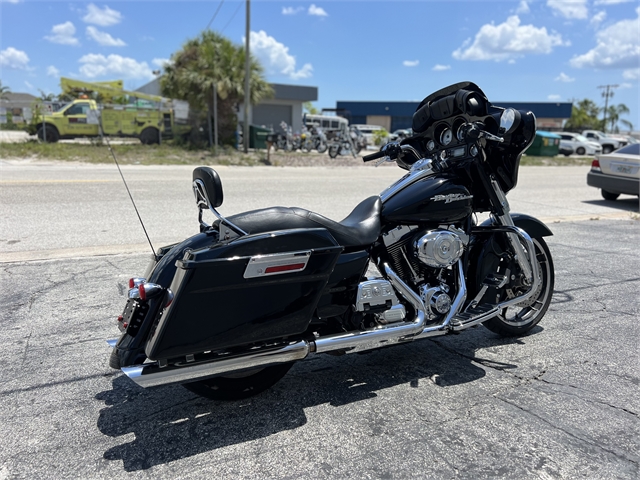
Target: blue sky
x,y
545,50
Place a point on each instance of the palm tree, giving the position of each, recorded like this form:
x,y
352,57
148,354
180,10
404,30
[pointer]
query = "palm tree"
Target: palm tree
x,y
208,60
4,90
613,115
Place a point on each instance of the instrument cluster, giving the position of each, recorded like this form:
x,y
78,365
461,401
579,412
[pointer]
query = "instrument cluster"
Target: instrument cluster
x,y
447,139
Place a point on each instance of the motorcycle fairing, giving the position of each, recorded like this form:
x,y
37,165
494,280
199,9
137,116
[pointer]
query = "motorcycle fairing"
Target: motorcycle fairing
x,y
216,307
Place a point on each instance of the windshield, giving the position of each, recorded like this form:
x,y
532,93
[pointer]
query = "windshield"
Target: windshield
x,y
61,107
582,138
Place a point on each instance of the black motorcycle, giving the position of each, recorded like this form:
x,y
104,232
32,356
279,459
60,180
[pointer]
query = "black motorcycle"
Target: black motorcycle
x,y
228,311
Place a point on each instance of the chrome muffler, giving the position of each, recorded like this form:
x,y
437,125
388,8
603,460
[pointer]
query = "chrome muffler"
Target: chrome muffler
x,y
153,375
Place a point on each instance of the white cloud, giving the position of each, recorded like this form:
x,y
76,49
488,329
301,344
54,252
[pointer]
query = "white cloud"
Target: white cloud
x,y
598,18
103,17
103,38
9,1
53,71
618,46
523,7
95,65
610,2
63,34
569,8
441,68
161,62
553,97
292,10
317,11
276,58
13,58
564,78
631,74
29,86
626,85
509,40
411,63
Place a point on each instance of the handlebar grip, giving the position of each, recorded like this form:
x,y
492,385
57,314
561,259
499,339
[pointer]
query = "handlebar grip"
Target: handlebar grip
x,y
373,156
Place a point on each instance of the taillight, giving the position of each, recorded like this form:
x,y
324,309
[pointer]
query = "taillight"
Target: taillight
x,y
595,166
142,292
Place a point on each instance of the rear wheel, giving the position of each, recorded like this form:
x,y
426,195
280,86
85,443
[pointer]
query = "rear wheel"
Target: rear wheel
x,y
333,151
609,196
149,136
522,317
240,385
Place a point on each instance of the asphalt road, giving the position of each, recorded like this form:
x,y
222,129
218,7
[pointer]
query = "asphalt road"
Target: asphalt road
x,y
560,403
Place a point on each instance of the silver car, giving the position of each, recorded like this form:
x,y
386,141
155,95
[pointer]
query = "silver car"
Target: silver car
x,y
580,144
617,172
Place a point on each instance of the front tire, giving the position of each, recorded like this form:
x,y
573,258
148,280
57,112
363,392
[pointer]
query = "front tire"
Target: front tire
x,y
581,151
52,135
517,320
333,151
241,385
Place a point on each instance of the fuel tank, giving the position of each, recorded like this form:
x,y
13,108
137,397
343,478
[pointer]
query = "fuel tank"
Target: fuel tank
x,y
430,200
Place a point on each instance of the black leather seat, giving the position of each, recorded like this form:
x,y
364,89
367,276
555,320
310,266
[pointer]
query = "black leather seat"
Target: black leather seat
x,y
361,227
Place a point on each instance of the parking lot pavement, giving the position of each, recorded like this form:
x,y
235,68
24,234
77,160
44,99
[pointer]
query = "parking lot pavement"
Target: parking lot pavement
x,y
560,403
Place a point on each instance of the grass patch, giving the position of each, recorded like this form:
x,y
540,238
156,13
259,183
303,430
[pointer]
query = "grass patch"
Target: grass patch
x,y
132,154
559,161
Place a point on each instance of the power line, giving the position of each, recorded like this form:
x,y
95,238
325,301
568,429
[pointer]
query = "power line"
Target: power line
x,y
214,15
232,17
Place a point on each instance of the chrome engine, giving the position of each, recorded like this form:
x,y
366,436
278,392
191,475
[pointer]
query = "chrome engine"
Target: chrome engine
x,y
427,258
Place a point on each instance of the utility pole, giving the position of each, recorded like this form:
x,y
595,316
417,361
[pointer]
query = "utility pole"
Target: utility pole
x,y
607,94
247,75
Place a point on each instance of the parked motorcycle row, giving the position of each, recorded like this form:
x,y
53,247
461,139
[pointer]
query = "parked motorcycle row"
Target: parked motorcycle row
x,y
337,142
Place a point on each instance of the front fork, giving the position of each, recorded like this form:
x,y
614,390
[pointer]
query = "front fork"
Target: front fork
x,y
525,261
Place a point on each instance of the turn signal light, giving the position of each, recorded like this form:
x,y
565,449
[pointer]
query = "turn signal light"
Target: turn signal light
x,y
148,290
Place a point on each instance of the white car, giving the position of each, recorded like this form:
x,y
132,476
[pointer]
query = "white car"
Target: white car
x,y
617,172
580,144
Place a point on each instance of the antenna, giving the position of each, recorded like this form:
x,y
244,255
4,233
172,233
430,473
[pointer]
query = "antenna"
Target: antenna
x,y
113,154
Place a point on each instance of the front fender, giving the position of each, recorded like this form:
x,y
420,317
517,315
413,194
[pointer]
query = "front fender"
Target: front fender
x,y
531,225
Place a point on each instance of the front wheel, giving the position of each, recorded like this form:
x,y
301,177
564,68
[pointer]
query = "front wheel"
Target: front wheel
x,y
522,317
334,150
239,385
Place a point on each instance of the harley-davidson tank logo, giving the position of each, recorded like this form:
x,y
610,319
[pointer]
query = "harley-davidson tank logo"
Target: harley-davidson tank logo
x,y
452,197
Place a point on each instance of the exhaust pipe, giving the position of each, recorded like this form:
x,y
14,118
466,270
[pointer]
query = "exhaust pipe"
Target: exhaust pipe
x,y
152,374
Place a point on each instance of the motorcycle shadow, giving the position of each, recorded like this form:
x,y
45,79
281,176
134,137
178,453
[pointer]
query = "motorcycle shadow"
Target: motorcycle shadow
x,y
170,423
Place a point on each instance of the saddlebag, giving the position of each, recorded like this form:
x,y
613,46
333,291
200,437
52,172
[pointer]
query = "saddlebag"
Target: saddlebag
x,y
254,289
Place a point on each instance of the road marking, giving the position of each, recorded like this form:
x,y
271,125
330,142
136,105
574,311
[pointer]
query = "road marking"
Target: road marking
x,y
54,181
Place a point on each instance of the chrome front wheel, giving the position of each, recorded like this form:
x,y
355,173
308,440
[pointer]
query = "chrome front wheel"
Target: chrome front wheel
x,y
522,317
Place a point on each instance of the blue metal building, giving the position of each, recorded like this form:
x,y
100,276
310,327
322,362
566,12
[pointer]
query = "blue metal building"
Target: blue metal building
x,y
395,115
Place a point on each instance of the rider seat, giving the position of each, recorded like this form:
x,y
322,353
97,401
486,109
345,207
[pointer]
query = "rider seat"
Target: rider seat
x,y
361,227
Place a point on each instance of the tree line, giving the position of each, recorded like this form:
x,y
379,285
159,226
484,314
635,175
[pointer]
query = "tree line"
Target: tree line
x,y
587,115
